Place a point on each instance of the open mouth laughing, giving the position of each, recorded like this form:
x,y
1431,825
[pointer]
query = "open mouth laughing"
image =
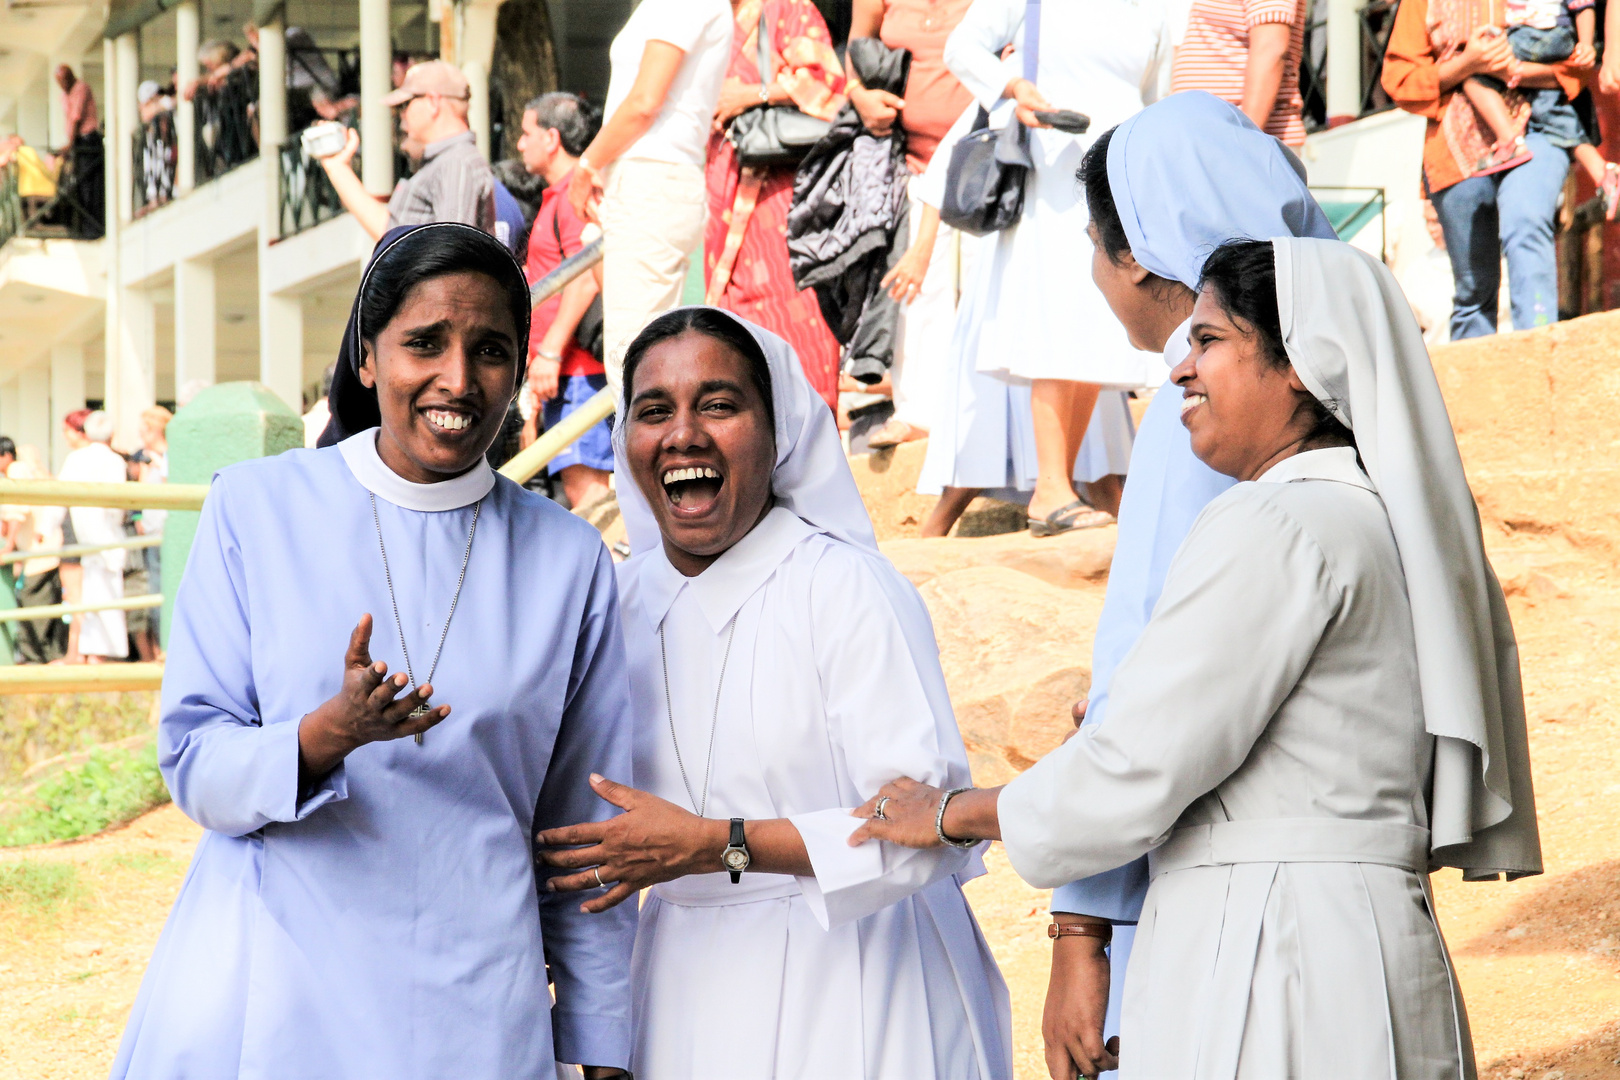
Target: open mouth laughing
x,y
692,490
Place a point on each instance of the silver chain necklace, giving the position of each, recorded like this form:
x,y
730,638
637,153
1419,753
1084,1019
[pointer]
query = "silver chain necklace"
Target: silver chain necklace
x,y
422,709
714,724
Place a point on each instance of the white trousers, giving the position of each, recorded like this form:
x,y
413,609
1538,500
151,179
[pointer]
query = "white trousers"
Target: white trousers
x,y
922,371
652,221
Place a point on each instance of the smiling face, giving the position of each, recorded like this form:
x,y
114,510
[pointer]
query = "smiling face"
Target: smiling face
x,y
701,447
1244,413
445,368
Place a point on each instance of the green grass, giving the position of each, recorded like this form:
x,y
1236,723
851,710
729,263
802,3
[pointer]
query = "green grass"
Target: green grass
x,y
37,887
112,787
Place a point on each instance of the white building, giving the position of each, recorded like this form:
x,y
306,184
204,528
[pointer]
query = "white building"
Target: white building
x,y
218,262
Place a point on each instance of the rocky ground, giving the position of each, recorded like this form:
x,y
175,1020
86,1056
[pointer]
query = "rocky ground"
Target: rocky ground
x,y
1539,959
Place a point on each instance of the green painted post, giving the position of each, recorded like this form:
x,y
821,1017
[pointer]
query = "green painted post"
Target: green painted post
x,y
222,425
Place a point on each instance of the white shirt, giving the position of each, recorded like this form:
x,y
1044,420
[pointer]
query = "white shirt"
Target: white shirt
x,y
702,30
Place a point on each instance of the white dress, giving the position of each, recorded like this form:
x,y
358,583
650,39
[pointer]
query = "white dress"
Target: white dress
x,y
101,633
1265,741
874,967
1043,317
983,435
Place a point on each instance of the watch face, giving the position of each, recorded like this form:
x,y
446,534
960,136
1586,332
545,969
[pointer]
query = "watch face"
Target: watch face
x,y
735,859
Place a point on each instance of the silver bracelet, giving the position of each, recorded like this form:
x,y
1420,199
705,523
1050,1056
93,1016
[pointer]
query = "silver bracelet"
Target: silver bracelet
x,y
939,820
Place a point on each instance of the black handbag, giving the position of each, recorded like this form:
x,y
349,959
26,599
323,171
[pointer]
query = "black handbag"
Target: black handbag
x,y
985,179
773,134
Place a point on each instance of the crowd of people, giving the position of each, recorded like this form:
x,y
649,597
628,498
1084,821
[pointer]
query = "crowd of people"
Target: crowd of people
x,y
54,576
436,772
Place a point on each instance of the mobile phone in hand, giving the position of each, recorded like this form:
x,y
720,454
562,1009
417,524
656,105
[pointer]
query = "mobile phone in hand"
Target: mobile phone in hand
x,y
1066,120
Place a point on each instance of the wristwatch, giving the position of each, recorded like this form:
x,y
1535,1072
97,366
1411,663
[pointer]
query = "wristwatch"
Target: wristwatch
x,y
736,858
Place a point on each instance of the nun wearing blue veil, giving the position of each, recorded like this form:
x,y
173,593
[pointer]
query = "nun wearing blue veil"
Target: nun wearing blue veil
x,y
1165,188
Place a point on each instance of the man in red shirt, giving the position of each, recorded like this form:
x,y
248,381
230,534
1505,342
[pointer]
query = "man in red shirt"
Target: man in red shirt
x,y
563,374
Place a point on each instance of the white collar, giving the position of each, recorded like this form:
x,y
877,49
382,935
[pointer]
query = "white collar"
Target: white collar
x,y
360,454
1330,463
728,582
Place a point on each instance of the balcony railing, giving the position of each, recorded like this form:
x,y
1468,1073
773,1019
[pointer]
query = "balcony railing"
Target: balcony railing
x,y
71,211
157,151
307,197
1375,21
227,124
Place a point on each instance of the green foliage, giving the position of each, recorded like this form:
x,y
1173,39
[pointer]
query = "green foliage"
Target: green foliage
x,y
37,887
111,787
34,727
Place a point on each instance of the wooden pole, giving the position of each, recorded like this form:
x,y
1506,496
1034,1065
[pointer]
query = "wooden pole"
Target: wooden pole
x,y
79,678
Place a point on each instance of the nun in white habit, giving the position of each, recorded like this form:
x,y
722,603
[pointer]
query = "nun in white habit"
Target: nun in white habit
x,y
1324,707
781,670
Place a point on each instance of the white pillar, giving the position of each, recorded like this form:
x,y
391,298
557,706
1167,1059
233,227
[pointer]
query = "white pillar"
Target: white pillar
x,y
281,346
187,34
137,349
10,406
478,103
376,119
33,112
116,167
67,394
1343,61
33,427
194,320
127,110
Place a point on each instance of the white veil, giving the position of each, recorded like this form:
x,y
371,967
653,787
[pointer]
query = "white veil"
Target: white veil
x,y
1351,336
811,476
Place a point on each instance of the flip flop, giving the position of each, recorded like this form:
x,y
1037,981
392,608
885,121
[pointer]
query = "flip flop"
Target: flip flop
x,y
879,441
1068,519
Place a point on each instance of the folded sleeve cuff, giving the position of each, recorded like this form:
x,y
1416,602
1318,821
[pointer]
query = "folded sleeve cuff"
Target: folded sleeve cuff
x,y
590,1039
853,882
1116,895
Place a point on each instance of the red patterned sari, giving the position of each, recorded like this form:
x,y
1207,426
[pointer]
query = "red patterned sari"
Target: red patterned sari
x,y
745,259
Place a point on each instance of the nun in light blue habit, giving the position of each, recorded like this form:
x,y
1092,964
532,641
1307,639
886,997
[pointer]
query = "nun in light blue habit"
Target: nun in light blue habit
x,y
1186,174
363,903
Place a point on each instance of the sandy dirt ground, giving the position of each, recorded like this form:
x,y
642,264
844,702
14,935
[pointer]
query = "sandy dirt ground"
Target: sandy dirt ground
x,y
1538,959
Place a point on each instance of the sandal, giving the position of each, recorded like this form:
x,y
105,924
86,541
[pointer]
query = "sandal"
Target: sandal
x,y
1076,515
1502,157
893,433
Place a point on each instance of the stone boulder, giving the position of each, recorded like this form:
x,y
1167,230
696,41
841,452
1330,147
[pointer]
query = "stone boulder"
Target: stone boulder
x,y
1017,653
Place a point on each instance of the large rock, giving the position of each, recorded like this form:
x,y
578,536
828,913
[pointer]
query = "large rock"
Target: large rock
x,y
1016,653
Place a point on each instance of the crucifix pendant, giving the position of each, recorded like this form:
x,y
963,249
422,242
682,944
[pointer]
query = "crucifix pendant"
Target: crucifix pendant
x,y
419,711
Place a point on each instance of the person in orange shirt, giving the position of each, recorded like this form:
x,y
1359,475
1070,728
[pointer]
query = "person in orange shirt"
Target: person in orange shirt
x,y
1483,218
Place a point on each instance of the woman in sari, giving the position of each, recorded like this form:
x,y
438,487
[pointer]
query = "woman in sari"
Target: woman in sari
x,y
1324,707
745,259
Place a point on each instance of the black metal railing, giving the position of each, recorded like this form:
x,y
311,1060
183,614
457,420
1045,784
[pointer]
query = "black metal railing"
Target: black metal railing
x,y
307,197
1374,23
157,153
227,124
72,211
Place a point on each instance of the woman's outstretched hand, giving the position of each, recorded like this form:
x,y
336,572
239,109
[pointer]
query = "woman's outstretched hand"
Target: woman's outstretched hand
x,y
652,841
908,815
911,809
367,709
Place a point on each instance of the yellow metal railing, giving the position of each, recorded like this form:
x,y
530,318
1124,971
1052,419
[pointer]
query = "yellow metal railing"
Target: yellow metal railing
x,y
56,611
124,496
79,678
134,543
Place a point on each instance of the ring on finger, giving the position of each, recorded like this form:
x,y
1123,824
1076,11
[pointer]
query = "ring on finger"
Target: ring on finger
x,y
600,884
877,811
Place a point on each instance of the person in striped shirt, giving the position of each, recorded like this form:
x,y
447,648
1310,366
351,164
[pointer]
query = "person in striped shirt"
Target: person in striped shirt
x,y
1247,52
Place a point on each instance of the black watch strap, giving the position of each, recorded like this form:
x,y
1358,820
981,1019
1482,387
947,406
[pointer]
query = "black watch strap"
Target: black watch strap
x,y
739,839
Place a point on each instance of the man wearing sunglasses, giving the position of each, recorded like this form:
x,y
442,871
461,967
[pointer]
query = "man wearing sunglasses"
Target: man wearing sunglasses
x,y
454,183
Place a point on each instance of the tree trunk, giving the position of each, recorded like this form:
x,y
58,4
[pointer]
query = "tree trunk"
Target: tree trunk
x,y
525,66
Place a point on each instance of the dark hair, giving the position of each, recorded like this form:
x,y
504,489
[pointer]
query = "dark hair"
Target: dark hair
x,y
712,323
1093,176
570,116
407,264
7,446
1243,276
